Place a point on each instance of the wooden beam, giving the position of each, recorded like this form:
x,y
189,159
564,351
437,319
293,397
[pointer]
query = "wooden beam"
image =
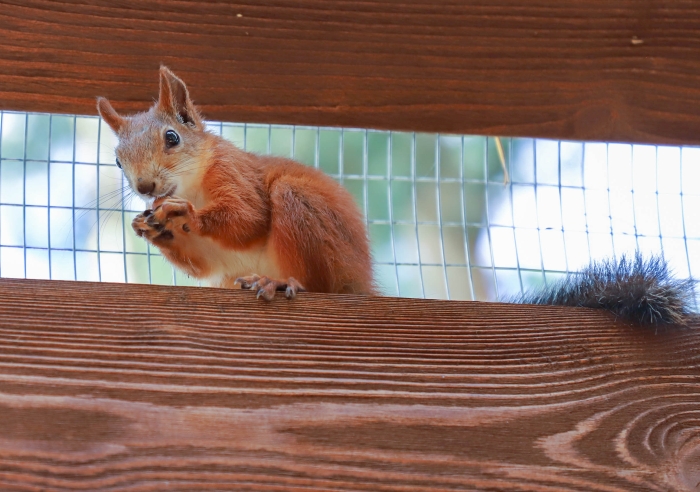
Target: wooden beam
x,y
107,386
626,70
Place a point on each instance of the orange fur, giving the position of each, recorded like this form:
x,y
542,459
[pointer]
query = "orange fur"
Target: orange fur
x,y
317,232
220,213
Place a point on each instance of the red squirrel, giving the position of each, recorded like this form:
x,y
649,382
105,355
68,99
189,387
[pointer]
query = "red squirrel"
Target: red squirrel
x,y
268,223
229,217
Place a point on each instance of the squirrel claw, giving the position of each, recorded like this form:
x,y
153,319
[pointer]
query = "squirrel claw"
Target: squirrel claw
x,y
266,293
246,282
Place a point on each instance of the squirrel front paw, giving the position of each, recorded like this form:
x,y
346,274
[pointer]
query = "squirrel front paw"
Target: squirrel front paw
x,y
171,216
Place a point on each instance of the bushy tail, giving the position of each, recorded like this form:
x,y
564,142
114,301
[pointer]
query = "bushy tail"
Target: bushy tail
x,y
639,290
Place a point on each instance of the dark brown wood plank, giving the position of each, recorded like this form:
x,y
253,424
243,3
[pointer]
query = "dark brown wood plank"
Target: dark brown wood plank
x,y
106,386
582,69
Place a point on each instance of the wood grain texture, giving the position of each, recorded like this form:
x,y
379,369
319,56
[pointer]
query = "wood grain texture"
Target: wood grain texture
x,y
129,387
626,70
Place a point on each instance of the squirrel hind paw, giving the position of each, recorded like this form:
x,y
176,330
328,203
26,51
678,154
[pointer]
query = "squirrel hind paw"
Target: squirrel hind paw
x,y
266,287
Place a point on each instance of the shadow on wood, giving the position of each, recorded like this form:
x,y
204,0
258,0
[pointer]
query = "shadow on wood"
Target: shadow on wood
x,y
149,388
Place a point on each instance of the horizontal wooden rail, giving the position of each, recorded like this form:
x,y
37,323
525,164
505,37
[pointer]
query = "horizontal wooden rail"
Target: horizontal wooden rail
x,y
626,70
106,386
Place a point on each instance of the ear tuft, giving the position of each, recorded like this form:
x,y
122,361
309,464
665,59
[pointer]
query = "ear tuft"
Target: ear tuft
x,y
174,99
111,117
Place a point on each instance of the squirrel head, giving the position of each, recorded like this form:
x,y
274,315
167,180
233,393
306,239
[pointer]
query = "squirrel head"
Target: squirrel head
x,y
158,149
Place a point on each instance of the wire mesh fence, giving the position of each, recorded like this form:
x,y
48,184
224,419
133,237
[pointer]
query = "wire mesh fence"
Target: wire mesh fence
x,y
442,222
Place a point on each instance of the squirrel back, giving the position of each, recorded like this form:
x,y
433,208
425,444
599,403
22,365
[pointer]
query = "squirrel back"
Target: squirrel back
x,y
639,290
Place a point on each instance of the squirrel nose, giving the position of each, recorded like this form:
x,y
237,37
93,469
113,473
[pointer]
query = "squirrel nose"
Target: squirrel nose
x,y
146,188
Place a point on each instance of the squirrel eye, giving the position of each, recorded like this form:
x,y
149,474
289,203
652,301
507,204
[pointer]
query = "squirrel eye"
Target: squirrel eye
x,y
171,138
119,164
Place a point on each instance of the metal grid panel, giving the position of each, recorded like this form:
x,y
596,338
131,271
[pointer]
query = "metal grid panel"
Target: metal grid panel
x,y
442,223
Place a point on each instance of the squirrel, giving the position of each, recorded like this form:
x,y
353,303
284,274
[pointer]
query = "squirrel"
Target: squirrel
x,y
635,289
219,213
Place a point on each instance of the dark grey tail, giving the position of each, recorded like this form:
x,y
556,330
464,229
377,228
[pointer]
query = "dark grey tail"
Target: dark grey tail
x,y
638,290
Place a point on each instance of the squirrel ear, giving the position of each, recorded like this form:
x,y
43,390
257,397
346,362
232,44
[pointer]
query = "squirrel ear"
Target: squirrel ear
x,y
111,117
175,100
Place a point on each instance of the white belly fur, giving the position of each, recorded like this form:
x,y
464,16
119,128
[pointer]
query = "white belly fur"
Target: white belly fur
x,y
228,263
